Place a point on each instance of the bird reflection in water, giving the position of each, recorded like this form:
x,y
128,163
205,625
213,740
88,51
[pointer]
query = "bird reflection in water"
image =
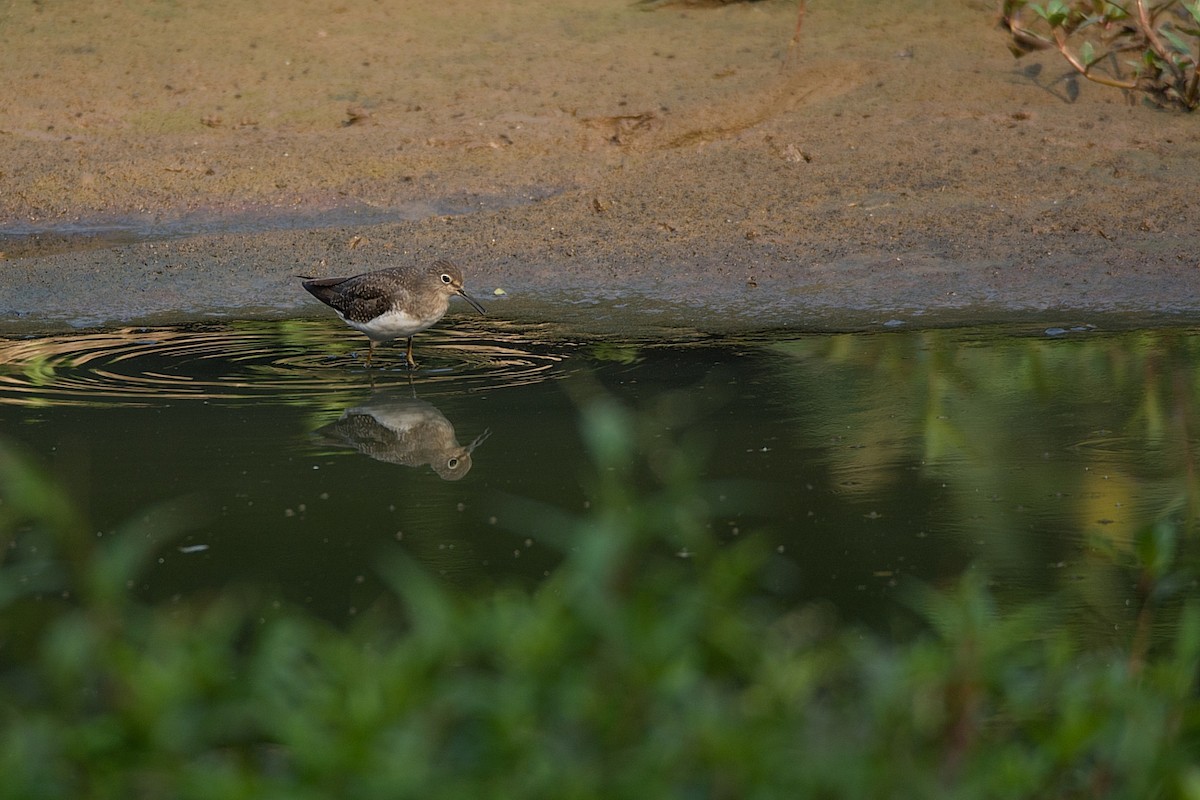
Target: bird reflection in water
x,y
403,431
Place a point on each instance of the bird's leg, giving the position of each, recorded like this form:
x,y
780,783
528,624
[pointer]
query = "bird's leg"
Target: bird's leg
x,y
411,364
370,352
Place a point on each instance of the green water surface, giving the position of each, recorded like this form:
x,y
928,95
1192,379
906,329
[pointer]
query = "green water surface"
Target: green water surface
x,y
264,454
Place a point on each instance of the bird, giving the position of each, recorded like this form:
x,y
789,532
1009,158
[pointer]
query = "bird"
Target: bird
x,y
393,303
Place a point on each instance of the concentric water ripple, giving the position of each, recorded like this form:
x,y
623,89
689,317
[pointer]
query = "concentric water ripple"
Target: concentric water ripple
x,y
290,361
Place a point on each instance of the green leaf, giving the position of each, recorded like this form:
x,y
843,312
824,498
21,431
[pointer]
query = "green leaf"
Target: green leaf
x,y
1054,12
1113,12
1087,54
1177,43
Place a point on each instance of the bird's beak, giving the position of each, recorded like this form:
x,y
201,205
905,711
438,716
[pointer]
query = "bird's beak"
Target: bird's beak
x,y
480,439
471,300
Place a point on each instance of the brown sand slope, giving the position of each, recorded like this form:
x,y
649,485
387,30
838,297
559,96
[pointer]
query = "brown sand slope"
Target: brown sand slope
x,y
600,163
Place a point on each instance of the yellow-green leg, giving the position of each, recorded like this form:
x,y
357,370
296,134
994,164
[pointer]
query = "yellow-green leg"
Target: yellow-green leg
x,y
408,355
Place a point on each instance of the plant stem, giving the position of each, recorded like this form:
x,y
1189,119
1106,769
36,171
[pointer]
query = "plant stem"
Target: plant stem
x,y
1060,41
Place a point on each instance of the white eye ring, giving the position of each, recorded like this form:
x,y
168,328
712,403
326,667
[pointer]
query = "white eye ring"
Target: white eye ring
x,y
446,278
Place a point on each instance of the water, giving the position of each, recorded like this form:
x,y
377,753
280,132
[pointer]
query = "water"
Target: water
x,y
264,454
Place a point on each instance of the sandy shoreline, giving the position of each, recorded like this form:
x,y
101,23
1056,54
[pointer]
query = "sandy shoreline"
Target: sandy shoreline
x,y
600,164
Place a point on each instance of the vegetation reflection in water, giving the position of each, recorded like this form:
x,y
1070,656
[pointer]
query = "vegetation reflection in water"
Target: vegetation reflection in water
x,y
1049,451
658,659
862,458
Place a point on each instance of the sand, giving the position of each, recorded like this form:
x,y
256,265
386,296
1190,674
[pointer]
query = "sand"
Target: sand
x,y
589,163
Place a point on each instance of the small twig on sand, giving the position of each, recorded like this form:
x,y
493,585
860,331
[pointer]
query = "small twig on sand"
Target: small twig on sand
x,y
794,44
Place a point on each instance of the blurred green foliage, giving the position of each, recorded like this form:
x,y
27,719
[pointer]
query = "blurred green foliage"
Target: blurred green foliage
x,y
652,663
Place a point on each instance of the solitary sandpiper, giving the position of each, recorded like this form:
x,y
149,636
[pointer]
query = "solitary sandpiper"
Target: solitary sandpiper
x,y
390,303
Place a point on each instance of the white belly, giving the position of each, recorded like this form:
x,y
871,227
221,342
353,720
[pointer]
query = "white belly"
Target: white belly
x,y
392,325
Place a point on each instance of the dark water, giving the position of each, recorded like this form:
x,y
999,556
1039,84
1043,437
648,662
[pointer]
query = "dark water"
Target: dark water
x,y
264,453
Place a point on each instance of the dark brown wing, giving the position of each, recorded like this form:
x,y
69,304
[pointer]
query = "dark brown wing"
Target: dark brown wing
x,y
360,298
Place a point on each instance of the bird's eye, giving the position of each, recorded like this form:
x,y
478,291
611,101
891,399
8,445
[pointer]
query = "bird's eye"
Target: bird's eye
x,y
446,278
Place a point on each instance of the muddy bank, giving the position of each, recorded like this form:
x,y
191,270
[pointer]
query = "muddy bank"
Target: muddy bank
x,y
597,163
